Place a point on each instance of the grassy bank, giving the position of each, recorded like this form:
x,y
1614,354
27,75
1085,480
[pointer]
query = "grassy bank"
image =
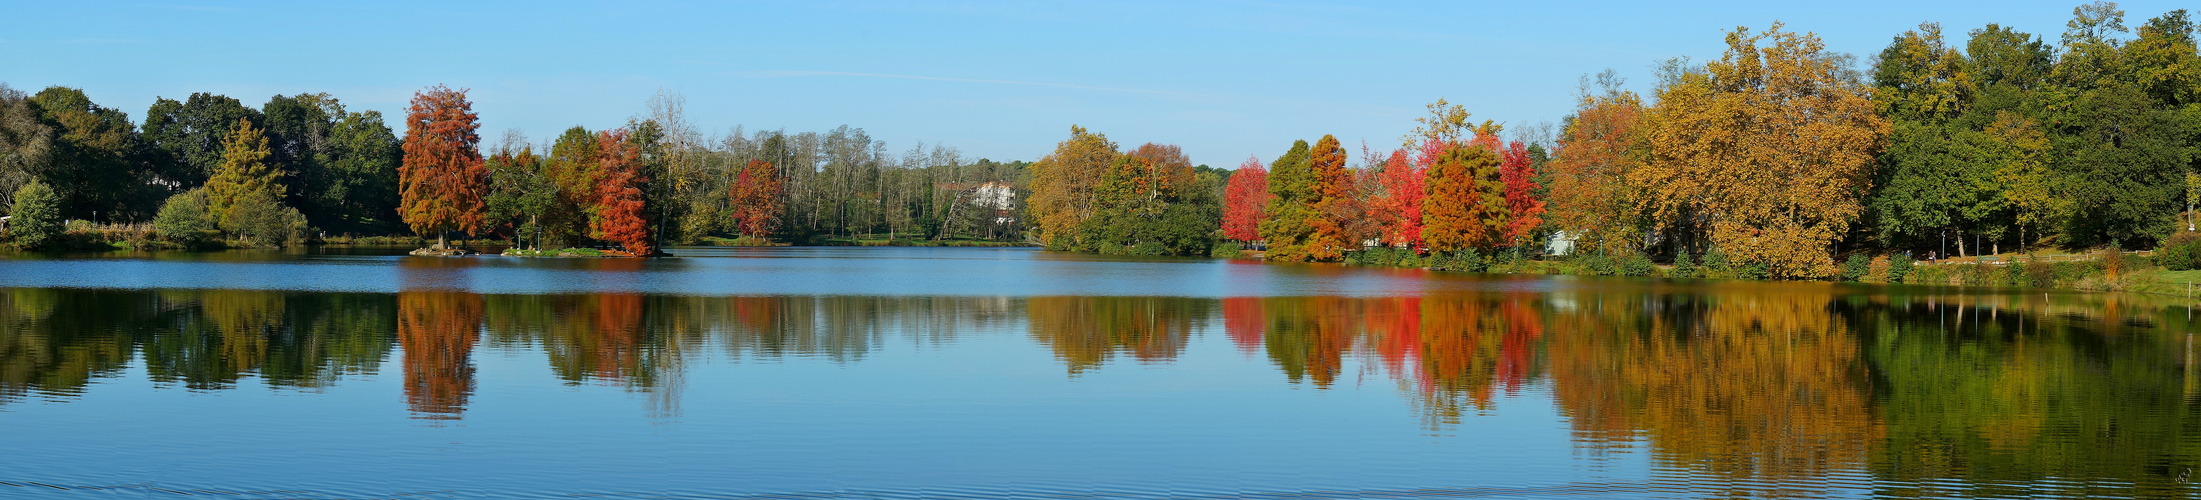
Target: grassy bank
x,y
2135,272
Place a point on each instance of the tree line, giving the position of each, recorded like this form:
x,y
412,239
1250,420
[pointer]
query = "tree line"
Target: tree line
x,y
1776,158
209,169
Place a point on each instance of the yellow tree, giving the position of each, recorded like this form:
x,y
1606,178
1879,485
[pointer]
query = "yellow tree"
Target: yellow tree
x,y
1062,187
243,174
1769,151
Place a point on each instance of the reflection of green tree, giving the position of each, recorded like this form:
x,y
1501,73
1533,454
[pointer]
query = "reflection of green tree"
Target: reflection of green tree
x,y
57,341
210,339
2001,398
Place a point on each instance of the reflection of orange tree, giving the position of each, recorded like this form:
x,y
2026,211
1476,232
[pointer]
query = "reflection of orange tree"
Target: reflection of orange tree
x,y
1085,331
437,331
1458,364
1759,388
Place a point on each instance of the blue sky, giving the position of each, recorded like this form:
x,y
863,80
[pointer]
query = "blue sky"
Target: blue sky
x,y
1002,80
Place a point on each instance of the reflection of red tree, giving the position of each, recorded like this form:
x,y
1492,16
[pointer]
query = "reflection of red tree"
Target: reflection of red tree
x,y
1453,363
1243,321
618,339
437,331
1516,349
1394,323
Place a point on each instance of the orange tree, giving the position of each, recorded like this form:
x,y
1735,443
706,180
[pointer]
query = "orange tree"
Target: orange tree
x,y
1590,197
442,182
1465,205
618,214
1330,190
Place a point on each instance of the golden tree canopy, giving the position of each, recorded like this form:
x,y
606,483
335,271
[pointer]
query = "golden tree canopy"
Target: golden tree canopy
x,y
1770,151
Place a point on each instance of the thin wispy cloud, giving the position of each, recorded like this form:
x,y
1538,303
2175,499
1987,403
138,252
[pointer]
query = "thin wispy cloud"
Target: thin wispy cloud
x,y
781,74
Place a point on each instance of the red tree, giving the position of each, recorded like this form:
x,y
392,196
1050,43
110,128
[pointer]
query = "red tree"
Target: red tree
x,y
756,197
1519,176
1399,208
618,214
1246,201
442,180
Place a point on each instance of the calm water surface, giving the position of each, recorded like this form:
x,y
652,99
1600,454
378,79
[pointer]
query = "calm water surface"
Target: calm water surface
x,y
813,373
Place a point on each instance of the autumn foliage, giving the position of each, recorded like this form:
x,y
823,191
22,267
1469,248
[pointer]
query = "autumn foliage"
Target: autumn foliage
x,y
442,182
1331,188
1769,151
1465,205
1525,212
1398,208
618,215
756,198
1246,201
1063,184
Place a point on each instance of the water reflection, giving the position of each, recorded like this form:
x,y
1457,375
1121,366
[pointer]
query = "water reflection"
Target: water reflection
x,y
1733,390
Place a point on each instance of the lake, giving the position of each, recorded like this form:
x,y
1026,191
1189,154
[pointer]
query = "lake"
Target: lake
x,y
956,373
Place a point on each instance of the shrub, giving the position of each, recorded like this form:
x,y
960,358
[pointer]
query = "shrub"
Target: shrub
x,y
1471,260
36,217
266,222
1753,271
2181,252
1148,248
1900,266
1715,264
2039,274
1854,269
1637,265
1224,250
1598,265
1683,266
183,218
1411,259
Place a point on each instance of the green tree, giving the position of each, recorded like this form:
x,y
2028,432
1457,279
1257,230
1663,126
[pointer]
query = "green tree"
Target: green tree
x,y
519,193
362,169
1291,206
298,132
186,137
26,143
93,146
35,218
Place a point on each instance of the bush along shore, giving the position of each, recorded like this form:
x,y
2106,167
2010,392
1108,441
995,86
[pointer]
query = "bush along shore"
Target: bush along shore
x,y
2174,269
